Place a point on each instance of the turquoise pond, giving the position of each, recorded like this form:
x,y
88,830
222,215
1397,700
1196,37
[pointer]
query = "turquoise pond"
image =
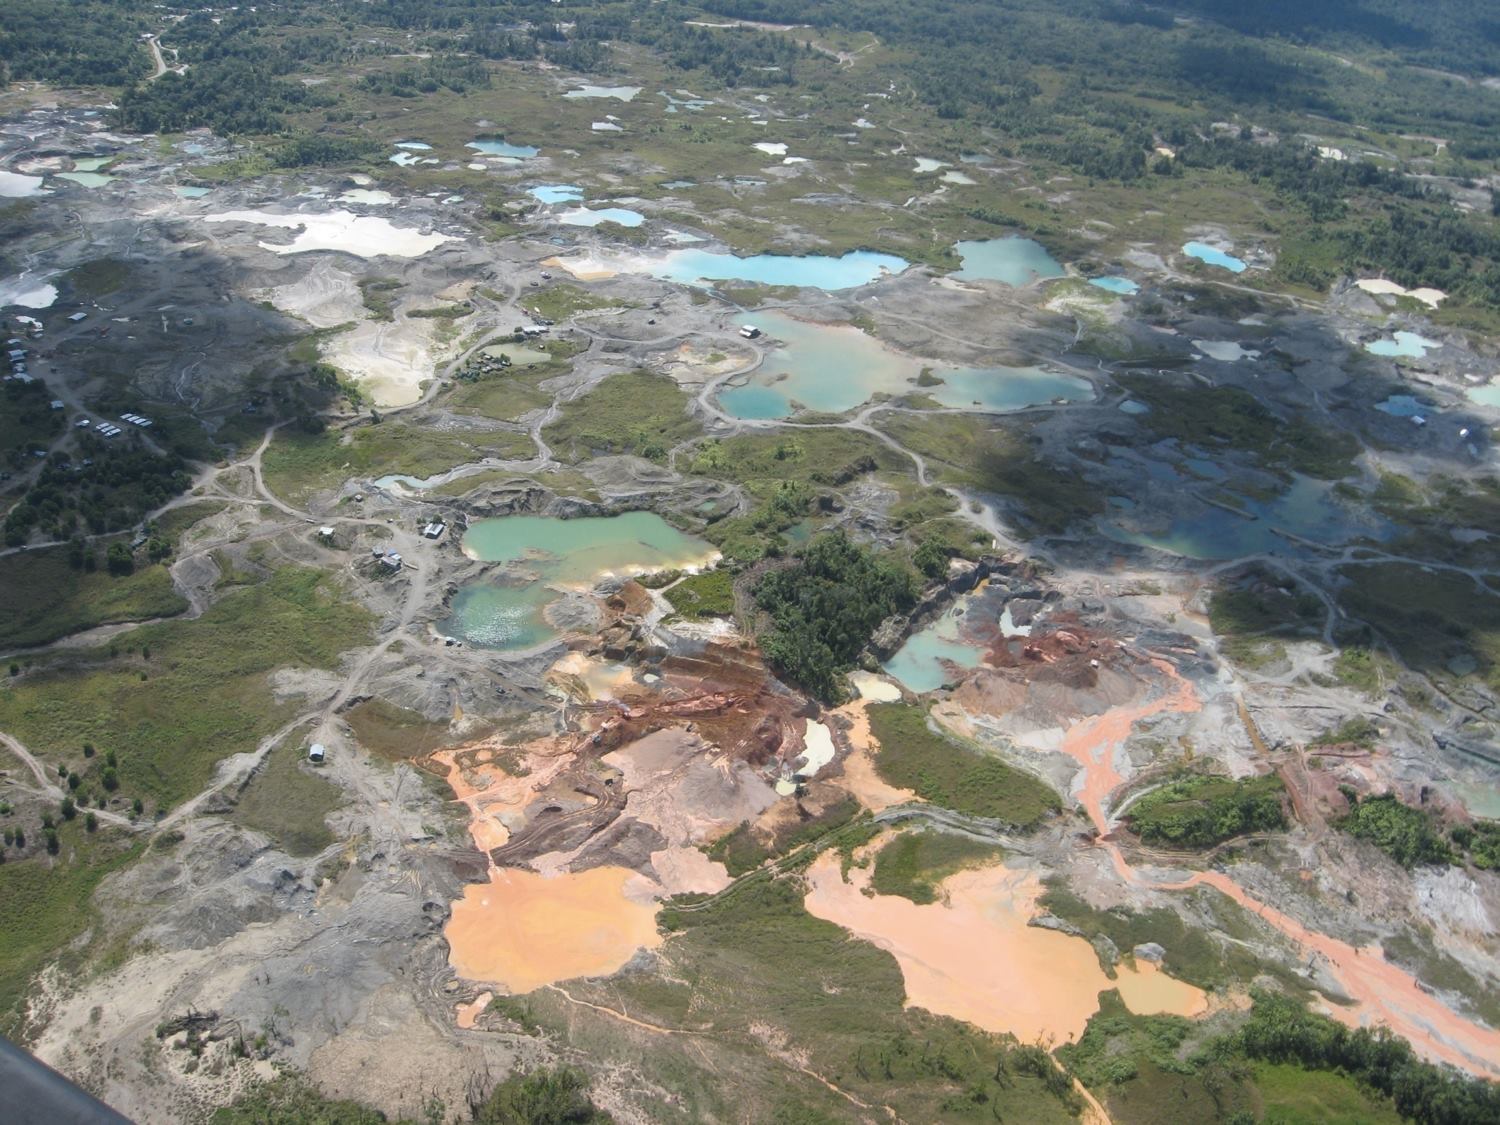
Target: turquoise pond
x,y
508,610
1308,510
1122,285
592,217
1403,345
1014,261
1214,257
87,179
556,193
189,192
921,663
1401,406
699,267
496,147
831,368
1487,395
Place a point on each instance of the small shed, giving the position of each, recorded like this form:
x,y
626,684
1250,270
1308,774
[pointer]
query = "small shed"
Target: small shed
x,y
316,753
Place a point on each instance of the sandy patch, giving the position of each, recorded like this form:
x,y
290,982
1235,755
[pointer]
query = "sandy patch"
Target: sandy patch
x,y
365,236
390,359
325,296
587,268
1382,288
876,689
860,777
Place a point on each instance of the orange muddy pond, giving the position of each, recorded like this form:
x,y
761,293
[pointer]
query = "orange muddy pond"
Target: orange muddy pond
x,y
522,930
975,958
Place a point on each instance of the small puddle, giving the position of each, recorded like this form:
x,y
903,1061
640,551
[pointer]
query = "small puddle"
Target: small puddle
x,y
556,193
618,93
1121,285
1403,345
495,146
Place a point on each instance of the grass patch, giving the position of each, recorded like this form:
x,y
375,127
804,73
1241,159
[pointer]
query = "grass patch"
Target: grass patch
x,y
43,597
299,465
393,732
560,302
1293,1095
1262,609
1358,731
1231,418
757,958
98,278
940,770
633,412
379,296
49,902
1199,811
289,802
201,694
710,594
1438,622
1364,670
972,453
1193,955
914,863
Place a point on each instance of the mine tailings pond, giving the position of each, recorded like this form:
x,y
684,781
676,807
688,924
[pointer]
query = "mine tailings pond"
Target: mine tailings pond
x,y
831,368
547,556
1307,510
816,271
1014,261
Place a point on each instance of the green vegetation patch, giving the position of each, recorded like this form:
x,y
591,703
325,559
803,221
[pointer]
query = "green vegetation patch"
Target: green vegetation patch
x,y
49,902
972,453
560,302
379,295
99,278
940,770
1147,1069
1409,836
299,465
1193,955
1232,418
289,802
633,412
393,732
198,695
913,864
44,597
1439,622
757,957
824,608
1263,610
710,594
1200,811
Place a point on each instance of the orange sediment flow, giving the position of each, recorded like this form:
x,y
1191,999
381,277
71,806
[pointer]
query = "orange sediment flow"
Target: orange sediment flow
x,y
1382,992
974,957
522,930
1093,743
860,776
